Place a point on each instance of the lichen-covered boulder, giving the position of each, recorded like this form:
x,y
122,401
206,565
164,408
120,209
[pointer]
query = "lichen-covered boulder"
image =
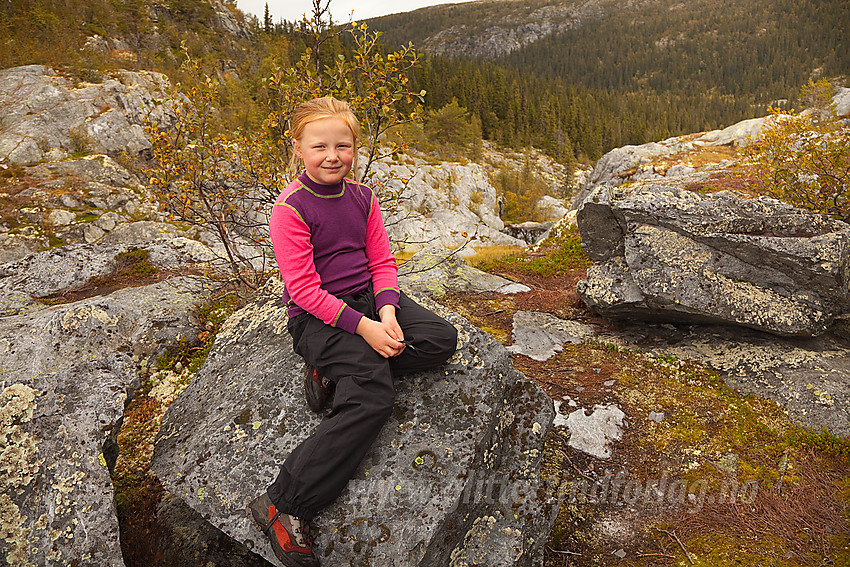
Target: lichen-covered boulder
x,y
453,478
65,374
664,252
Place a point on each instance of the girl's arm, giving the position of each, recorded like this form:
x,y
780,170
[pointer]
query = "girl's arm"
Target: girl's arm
x,y
382,265
385,337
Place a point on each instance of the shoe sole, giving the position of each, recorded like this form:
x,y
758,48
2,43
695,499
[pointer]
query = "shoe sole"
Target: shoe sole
x,y
310,386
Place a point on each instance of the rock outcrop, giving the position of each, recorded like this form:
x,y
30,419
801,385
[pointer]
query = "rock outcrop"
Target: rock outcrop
x,y
650,162
69,365
448,204
455,204
808,376
664,252
692,158
452,478
47,116
522,27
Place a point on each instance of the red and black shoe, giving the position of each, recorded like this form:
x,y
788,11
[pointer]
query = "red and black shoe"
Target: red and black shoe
x,y
289,536
317,389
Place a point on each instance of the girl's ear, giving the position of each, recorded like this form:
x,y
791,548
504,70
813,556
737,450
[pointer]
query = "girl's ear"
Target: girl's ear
x,y
297,147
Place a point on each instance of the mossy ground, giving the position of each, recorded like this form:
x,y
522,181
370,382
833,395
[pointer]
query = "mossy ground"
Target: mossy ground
x,y
723,477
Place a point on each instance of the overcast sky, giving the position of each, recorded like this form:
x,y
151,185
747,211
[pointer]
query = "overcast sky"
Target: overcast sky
x,y
291,10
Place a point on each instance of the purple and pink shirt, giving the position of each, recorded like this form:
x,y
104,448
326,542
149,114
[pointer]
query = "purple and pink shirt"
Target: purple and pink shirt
x,y
329,242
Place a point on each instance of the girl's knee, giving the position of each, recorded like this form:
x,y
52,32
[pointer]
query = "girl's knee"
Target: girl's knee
x,y
384,406
448,344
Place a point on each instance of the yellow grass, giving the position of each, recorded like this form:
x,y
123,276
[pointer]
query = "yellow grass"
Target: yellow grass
x,y
488,253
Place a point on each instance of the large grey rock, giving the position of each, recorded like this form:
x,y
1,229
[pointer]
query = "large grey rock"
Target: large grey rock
x,y
16,246
551,208
452,478
530,232
97,168
634,163
448,204
842,102
664,252
743,133
48,116
140,232
65,375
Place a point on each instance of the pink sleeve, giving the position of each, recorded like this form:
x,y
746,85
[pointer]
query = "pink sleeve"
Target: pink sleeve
x,y
294,253
382,264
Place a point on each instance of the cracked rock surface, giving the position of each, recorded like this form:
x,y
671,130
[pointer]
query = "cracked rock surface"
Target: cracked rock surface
x,y
66,373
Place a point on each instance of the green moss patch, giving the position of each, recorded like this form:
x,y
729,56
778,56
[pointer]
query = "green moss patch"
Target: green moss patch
x,y
557,259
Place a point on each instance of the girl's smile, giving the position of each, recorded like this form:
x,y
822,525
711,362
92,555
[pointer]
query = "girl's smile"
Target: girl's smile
x,y
327,148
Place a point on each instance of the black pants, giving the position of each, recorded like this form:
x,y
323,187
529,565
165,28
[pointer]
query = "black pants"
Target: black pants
x,y
316,471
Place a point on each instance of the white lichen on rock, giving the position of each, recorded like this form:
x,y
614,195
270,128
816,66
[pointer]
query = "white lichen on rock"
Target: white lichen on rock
x,y
18,465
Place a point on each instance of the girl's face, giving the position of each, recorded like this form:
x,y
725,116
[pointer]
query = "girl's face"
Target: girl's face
x,y
327,148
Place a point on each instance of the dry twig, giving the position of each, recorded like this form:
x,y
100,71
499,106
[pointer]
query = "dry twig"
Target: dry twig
x,y
562,552
675,538
564,453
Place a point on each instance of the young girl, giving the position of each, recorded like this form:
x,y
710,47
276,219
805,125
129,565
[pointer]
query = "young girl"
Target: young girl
x,y
355,329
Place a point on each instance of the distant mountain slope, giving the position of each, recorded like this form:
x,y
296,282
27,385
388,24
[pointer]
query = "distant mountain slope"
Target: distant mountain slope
x,y
762,47
490,28
495,28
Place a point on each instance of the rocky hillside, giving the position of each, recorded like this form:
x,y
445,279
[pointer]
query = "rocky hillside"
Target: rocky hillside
x,y
99,291
85,37
138,392
493,28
